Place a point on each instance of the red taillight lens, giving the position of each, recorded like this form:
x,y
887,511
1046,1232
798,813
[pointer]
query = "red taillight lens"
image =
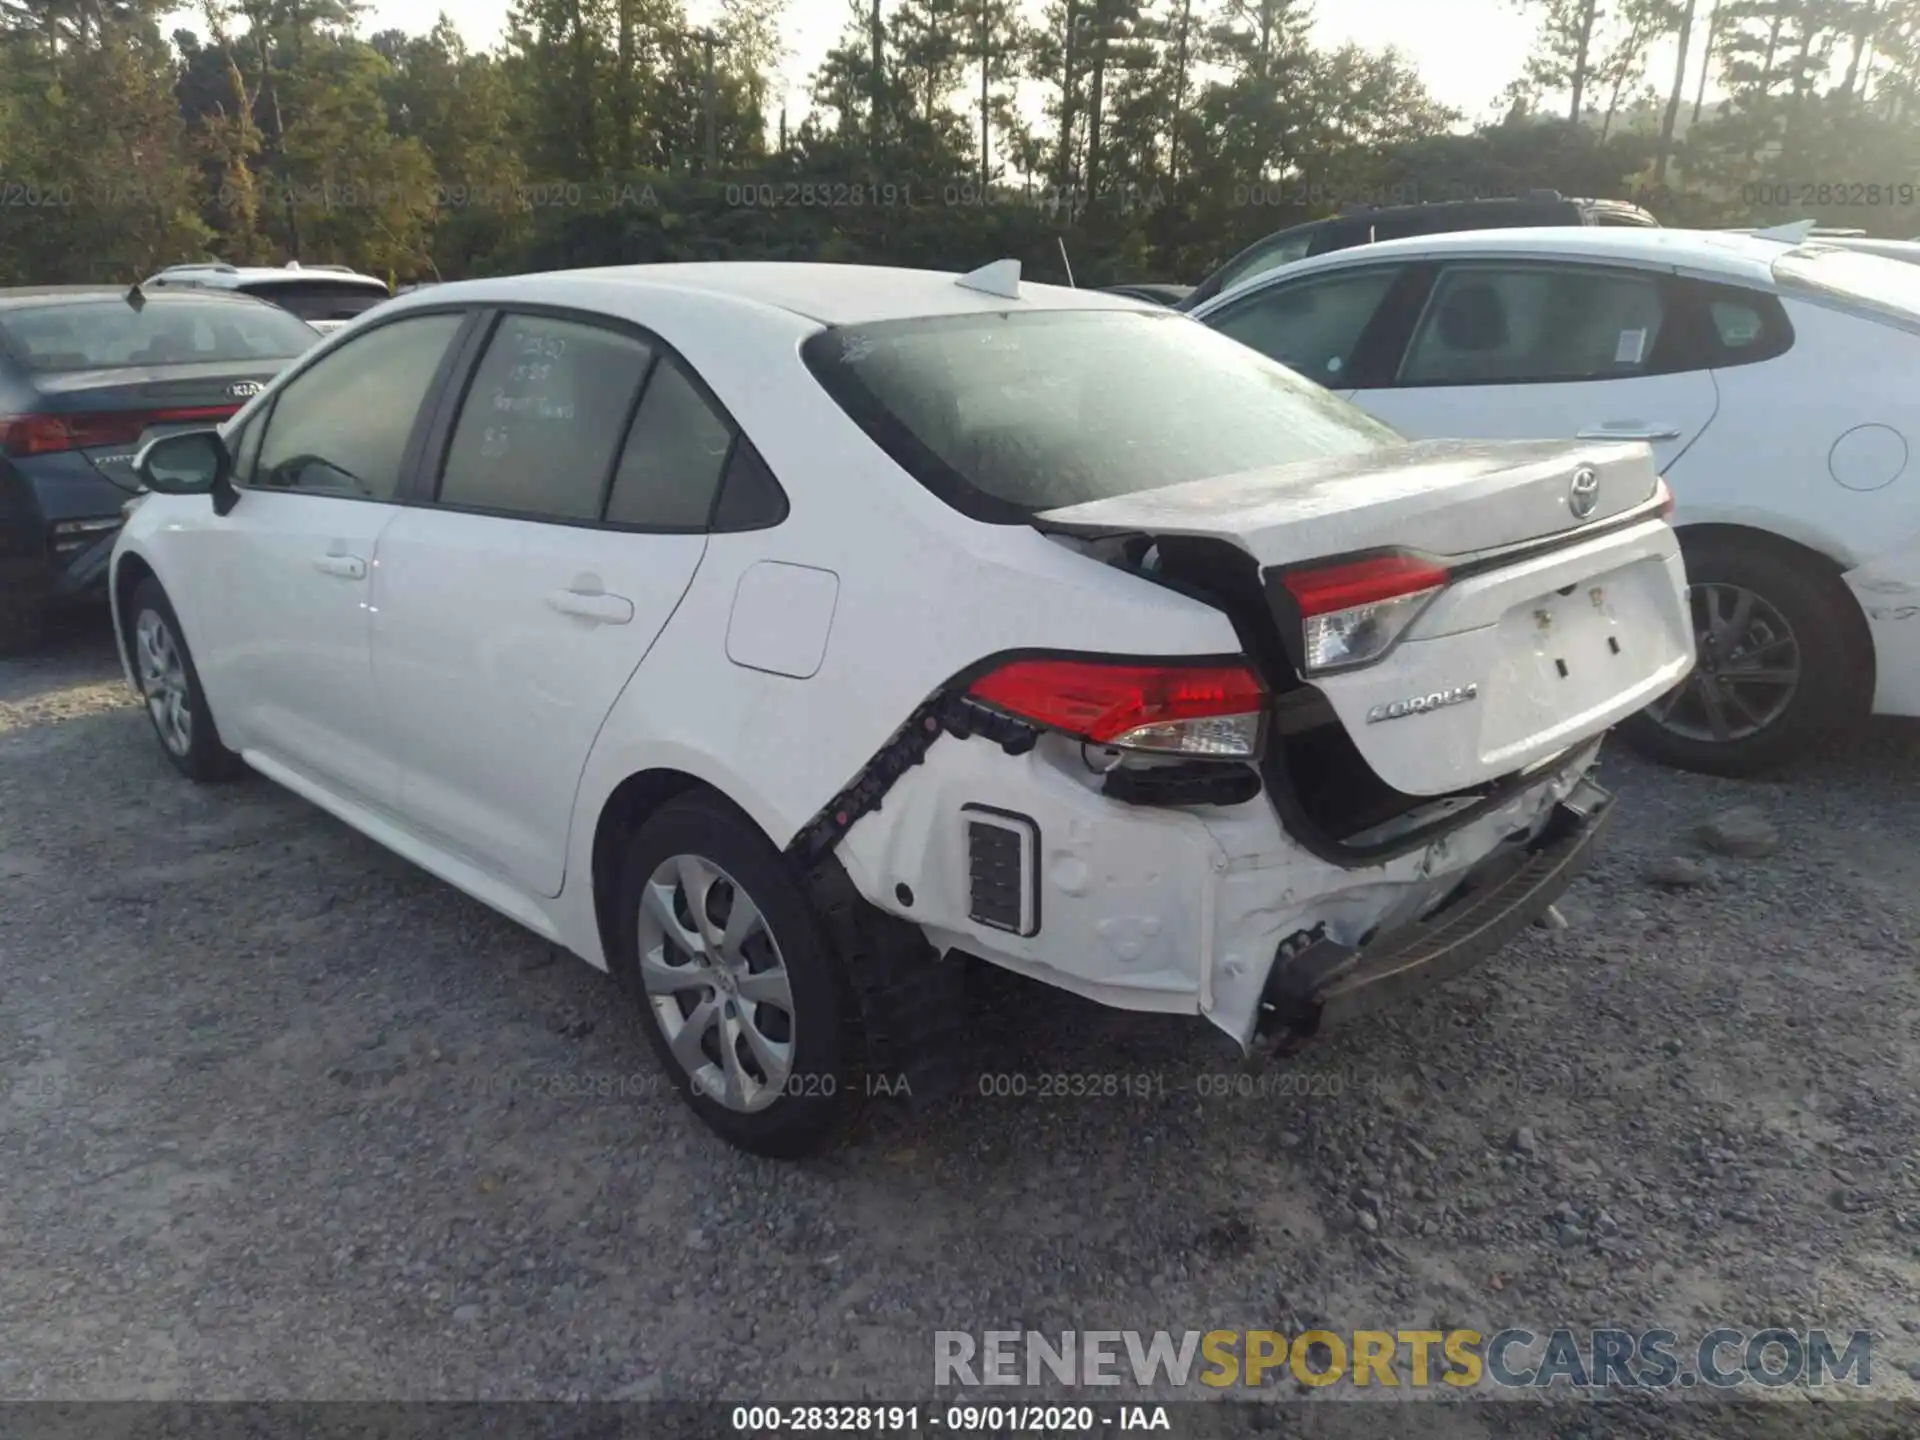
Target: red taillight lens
x,y
1664,494
1177,709
49,434
1364,582
1352,614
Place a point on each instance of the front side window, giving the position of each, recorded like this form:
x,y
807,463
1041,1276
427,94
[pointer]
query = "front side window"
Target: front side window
x,y
1006,415
543,419
1275,254
342,426
1312,326
1491,324
110,334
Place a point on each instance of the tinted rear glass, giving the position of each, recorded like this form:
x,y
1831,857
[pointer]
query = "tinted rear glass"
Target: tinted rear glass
x,y
319,299
111,334
1007,415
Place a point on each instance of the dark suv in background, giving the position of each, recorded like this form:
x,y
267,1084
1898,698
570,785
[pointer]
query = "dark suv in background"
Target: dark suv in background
x,y
1364,224
87,376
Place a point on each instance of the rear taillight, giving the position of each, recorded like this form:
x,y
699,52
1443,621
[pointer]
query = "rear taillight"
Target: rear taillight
x,y
48,434
1197,710
1351,614
1663,492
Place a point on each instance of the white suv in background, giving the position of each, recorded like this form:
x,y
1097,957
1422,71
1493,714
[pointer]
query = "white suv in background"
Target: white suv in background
x,y
1774,381
325,296
774,635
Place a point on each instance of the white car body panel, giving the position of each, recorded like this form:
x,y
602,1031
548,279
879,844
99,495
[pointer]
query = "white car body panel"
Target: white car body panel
x,y
1820,445
441,705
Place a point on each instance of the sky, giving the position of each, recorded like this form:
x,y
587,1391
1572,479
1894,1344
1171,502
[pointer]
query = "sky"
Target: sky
x,y
1467,50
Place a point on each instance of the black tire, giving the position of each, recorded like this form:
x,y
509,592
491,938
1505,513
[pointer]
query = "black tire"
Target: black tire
x,y
1834,672
22,617
204,758
795,1114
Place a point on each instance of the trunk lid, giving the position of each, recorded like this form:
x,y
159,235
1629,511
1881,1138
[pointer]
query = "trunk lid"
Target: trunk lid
x,y
1449,498
160,399
1547,626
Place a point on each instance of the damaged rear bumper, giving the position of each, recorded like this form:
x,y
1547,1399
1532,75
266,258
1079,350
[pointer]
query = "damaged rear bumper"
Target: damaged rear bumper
x,y
1325,983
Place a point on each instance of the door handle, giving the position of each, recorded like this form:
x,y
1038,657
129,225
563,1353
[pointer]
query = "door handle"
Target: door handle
x,y
347,567
1632,430
593,605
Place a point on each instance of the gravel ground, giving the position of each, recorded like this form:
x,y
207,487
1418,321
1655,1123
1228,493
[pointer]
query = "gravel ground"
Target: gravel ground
x,y
282,1117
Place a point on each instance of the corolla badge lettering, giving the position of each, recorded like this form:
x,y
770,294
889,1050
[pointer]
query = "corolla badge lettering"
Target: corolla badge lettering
x,y
1422,704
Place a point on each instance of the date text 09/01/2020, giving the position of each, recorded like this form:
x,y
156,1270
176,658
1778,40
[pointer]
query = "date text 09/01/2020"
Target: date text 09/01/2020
x,y
954,1419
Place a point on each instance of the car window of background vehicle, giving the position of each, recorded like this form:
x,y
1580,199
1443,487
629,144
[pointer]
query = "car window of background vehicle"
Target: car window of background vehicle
x,y
1313,326
673,459
1489,324
543,418
341,427
111,334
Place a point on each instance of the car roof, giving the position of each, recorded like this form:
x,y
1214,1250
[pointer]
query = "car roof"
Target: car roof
x,y
213,275
40,296
826,293
1747,258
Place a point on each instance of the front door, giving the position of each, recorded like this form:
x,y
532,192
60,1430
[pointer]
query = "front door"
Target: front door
x,y
278,591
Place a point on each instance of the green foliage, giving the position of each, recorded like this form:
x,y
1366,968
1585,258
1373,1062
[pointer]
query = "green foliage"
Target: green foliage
x,y
1145,138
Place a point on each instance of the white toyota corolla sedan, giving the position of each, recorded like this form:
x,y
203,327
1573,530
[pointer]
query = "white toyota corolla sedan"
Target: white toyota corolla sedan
x,y
1774,381
776,636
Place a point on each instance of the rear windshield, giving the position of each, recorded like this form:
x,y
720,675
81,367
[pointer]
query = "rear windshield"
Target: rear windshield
x,y
1007,415
1870,282
111,334
319,299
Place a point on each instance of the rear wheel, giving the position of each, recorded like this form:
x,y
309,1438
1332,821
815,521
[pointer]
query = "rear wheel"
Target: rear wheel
x,y
748,1010
1777,664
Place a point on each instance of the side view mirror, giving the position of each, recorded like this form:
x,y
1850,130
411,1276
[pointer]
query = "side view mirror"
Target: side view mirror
x,y
190,462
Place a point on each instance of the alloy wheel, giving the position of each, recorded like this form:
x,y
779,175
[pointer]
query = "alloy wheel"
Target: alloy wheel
x,y
163,681
716,983
1747,670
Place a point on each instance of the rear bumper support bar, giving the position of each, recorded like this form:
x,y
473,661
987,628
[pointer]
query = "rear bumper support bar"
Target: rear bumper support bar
x,y
1326,984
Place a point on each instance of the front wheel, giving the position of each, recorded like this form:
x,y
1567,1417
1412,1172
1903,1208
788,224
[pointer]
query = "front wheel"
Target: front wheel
x,y
170,686
747,1008
1777,664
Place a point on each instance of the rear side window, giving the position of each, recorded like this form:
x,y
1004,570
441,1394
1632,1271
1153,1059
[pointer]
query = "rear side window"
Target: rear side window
x,y
543,419
110,334
1274,254
1006,415
671,467
1716,327
1312,326
1491,324
319,299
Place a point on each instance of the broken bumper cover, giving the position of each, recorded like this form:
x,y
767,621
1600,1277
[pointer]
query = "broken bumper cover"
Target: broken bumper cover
x,y
1324,983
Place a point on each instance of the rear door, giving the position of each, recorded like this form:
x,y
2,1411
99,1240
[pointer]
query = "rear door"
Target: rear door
x,y
553,544
1524,350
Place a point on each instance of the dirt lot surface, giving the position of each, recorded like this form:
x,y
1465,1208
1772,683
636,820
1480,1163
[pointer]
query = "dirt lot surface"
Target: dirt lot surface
x,y
281,1116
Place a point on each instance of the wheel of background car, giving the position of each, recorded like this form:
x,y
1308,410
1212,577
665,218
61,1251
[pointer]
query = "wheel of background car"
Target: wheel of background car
x,y
747,1009
21,614
170,685
1778,663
